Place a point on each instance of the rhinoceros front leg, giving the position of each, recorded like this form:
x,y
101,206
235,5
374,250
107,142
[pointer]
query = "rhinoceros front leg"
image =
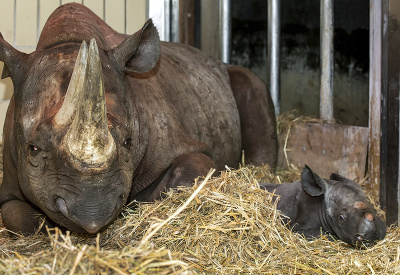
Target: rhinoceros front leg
x,y
182,172
20,217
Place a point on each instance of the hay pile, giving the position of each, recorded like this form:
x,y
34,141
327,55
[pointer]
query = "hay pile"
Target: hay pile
x,y
229,226
222,225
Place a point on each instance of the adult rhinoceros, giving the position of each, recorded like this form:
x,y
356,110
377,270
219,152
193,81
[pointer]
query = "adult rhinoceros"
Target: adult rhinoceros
x,y
91,128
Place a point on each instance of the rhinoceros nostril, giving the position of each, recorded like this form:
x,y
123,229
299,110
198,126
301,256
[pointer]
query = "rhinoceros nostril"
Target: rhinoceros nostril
x,y
62,206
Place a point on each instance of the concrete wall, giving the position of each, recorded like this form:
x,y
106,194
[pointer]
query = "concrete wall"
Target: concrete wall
x,y
21,22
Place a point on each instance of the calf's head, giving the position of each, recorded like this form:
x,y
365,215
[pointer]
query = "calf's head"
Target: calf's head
x,y
346,209
75,134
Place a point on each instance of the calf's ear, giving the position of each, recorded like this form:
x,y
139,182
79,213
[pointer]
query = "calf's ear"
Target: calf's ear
x,y
140,52
338,177
312,184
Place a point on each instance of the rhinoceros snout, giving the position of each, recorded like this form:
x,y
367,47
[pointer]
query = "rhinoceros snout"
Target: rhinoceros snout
x,y
91,215
373,230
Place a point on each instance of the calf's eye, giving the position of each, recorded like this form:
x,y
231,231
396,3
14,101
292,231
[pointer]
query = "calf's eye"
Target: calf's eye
x,y
341,217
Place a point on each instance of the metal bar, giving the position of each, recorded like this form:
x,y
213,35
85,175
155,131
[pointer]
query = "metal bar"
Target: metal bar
x,y
175,21
166,9
225,29
375,80
327,66
274,14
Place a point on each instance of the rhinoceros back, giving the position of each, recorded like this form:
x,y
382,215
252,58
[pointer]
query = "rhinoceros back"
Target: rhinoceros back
x,y
191,92
200,91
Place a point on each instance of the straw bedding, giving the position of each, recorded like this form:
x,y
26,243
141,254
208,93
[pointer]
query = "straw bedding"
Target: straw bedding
x,y
222,225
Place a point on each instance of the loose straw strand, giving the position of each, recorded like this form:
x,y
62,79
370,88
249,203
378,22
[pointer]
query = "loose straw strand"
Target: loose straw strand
x,y
180,209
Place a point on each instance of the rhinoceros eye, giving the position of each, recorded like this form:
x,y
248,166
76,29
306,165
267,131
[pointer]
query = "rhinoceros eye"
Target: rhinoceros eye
x,y
127,143
341,217
33,153
34,149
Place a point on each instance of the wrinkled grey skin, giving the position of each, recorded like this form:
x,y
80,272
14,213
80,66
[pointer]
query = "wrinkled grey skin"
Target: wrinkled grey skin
x,y
173,112
337,206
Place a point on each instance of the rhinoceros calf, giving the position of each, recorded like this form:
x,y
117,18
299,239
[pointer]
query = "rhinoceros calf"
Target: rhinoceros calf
x,y
337,206
93,127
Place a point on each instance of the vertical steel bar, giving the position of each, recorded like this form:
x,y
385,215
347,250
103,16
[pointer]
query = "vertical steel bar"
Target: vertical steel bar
x,y
274,13
327,66
375,80
175,21
166,15
225,29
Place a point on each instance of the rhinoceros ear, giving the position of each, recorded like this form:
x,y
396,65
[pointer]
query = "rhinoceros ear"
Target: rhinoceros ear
x,y
5,73
140,52
312,184
12,58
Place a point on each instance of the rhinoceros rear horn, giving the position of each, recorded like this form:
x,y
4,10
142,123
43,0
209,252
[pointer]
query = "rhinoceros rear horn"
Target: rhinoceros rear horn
x,y
12,58
140,52
88,141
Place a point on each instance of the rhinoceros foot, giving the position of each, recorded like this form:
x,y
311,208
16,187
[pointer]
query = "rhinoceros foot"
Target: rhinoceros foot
x,y
22,217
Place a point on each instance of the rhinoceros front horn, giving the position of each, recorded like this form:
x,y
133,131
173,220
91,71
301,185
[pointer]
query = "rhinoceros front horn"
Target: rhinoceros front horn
x,y
88,141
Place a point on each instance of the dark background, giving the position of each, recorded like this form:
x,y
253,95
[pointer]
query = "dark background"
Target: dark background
x,y
300,49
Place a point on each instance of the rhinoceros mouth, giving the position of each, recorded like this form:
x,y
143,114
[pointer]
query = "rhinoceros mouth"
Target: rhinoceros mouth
x,y
88,218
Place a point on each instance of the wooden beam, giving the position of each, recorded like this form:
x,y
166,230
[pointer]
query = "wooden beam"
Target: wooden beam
x,y
187,17
326,148
389,196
